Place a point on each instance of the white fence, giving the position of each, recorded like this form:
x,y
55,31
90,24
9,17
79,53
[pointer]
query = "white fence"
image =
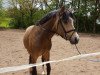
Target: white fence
x,y
22,67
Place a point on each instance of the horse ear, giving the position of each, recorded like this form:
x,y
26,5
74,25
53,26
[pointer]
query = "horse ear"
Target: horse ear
x,y
62,9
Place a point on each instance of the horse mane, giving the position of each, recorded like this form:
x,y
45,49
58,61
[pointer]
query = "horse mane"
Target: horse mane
x,y
46,18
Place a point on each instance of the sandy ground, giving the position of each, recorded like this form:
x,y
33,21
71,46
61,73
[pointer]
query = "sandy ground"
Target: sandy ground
x,y
12,53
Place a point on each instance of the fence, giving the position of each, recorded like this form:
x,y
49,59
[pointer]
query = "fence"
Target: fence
x,y
22,67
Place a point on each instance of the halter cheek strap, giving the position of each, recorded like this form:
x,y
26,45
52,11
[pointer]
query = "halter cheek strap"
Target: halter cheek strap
x,y
56,27
66,32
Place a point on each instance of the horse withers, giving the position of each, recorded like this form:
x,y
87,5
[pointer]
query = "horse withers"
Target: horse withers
x,y
37,38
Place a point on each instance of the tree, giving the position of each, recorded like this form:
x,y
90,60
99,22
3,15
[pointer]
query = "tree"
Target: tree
x,y
0,7
0,10
96,14
27,12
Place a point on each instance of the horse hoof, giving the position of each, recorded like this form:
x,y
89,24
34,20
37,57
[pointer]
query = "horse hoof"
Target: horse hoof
x,y
43,73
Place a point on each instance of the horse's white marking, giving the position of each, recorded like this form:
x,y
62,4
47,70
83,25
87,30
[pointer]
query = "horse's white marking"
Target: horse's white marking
x,y
75,34
22,67
43,73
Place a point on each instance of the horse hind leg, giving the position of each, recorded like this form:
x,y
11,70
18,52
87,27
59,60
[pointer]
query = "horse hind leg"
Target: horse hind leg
x,y
43,73
46,57
33,70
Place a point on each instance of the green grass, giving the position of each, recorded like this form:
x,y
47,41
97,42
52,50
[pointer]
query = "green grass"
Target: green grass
x,y
4,22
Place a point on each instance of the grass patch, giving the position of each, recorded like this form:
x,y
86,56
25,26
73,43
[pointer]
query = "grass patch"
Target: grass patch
x,y
4,22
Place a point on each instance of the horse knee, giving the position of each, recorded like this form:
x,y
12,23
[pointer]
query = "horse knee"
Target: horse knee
x,y
46,57
33,70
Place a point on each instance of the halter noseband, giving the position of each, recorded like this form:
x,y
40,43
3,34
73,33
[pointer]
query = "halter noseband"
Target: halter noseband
x,y
66,32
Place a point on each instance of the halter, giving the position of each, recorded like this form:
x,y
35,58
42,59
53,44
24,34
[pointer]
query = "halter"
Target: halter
x,y
66,32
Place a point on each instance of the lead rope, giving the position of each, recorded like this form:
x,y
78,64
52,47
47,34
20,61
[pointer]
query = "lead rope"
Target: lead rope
x,y
77,49
92,60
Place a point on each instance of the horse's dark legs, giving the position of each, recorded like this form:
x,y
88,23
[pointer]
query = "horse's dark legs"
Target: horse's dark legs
x,y
48,68
43,66
33,69
46,57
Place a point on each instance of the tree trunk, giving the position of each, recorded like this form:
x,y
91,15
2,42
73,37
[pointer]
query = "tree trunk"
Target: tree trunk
x,y
96,14
85,20
77,21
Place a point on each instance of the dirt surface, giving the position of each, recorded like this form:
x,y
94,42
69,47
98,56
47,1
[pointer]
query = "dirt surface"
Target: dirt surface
x,y
12,53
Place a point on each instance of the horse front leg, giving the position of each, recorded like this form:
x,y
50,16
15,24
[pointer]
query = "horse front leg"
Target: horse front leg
x,y
46,57
33,70
48,68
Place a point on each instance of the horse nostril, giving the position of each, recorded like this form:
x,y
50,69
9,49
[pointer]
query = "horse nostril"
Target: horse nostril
x,y
76,40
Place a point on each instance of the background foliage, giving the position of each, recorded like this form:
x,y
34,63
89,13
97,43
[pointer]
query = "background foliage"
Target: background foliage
x,y
23,13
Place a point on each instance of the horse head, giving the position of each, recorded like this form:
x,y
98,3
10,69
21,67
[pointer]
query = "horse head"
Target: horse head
x,y
64,25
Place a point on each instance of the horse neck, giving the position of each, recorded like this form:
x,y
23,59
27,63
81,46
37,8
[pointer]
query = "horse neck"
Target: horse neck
x,y
48,28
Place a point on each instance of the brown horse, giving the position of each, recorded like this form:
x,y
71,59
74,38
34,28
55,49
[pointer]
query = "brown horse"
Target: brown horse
x,y
37,38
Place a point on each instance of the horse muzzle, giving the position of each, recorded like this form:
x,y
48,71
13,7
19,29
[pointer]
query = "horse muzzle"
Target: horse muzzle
x,y
74,39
